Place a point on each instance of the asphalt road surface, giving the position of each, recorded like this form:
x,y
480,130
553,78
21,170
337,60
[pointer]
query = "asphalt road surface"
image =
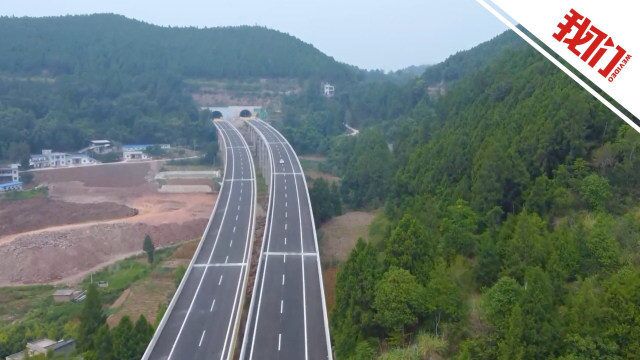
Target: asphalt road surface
x,y
287,316
202,319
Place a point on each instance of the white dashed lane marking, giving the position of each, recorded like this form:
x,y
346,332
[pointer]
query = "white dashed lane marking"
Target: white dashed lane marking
x,y
202,338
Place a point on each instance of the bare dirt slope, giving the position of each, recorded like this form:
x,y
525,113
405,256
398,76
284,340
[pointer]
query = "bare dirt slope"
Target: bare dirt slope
x,y
338,237
81,226
340,234
38,213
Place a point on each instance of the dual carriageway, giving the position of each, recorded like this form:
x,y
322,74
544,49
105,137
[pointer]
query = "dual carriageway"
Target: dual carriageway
x,y
286,317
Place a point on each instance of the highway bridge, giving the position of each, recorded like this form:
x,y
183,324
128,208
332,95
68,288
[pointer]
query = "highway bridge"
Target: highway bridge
x,y
287,316
203,318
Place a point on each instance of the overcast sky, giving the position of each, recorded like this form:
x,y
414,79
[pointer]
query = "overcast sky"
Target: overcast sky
x,y
372,34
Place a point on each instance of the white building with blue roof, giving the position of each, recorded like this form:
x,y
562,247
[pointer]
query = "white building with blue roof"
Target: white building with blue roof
x,y
10,178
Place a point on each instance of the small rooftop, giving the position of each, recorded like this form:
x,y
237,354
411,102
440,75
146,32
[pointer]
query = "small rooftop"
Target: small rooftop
x,y
63,292
10,184
60,344
136,145
100,142
9,166
42,343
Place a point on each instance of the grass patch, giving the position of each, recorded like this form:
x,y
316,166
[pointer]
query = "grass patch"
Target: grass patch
x,y
29,312
41,192
124,273
15,302
261,184
311,165
380,229
186,165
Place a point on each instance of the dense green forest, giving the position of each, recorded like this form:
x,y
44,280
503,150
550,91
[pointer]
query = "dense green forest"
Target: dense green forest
x,y
510,226
77,44
312,121
65,80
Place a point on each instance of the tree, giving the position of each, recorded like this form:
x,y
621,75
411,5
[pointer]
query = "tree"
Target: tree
x,y
367,171
210,153
325,200
409,247
539,319
512,346
487,268
149,248
622,301
600,251
399,301
125,346
102,344
499,300
443,298
352,317
595,190
498,176
458,230
91,318
155,151
143,331
524,241
586,318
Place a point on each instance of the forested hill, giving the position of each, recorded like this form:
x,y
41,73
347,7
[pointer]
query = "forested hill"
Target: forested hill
x,y
65,80
510,226
71,44
466,62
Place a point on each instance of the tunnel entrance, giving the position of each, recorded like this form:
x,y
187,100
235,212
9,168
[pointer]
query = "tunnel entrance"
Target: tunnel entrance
x,y
216,114
245,113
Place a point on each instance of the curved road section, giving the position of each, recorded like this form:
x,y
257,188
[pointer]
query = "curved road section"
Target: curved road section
x,y
287,317
203,317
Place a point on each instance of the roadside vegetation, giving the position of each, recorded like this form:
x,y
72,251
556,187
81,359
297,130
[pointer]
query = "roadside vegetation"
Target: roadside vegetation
x,y
29,312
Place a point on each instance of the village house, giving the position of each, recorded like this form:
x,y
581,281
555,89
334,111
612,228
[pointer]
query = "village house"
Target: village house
x,y
51,159
62,349
132,155
143,147
328,90
101,146
66,295
10,178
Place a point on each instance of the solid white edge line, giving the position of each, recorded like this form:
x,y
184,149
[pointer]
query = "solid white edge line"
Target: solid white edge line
x,y
557,63
176,295
204,273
